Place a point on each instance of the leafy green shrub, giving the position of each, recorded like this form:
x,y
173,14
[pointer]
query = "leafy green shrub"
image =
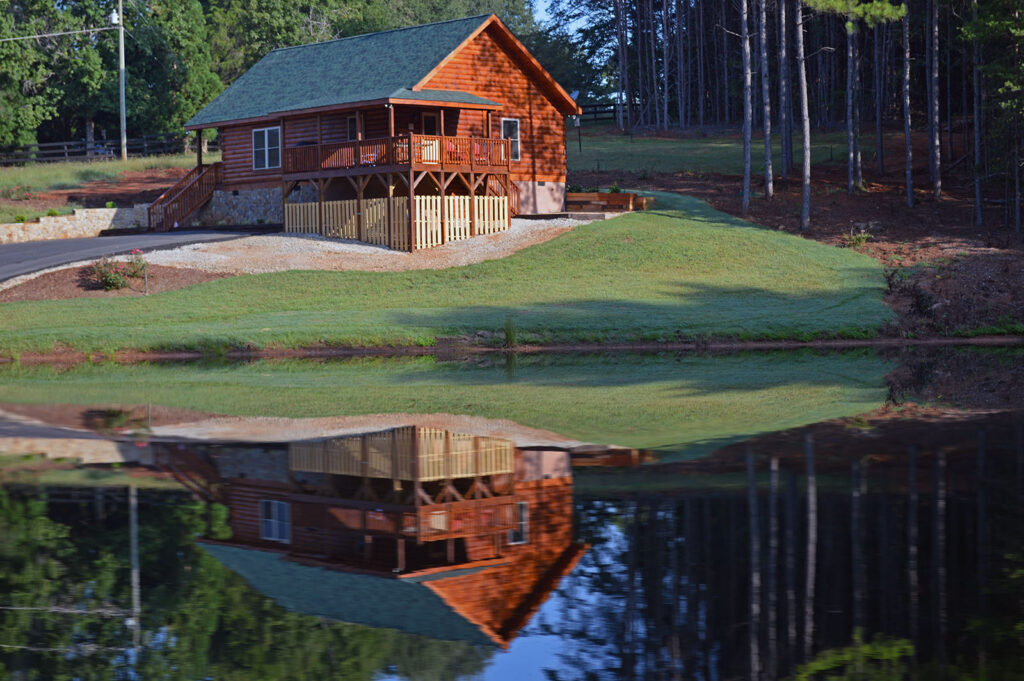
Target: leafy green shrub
x,y
20,217
111,204
110,274
856,239
136,264
53,212
614,189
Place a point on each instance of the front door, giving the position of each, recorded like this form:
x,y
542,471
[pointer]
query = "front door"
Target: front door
x,y
431,124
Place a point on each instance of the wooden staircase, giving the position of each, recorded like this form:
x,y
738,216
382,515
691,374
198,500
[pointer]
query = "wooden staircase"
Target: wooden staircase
x,y
189,194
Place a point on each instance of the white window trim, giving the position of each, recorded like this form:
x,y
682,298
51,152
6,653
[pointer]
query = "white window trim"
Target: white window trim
x,y
437,122
282,530
518,138
267,148
522,523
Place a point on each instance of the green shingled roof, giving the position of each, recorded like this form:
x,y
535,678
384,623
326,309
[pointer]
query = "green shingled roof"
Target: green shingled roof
x,y
377,602
355,69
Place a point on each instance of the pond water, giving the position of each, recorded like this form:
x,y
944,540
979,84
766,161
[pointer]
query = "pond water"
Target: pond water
x,y
751,516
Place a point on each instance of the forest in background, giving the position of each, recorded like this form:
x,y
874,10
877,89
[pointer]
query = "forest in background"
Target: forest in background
x,y
180,54
952,69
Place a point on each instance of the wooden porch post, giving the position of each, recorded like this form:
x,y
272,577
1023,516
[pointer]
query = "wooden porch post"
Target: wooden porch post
x,y
321,186
441,118
391,211
199,148
487,123
400,551
360,185
412,205
391,120
472,203
444,220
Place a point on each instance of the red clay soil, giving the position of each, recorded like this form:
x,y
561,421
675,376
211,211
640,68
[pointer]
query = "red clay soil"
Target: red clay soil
x,y
78,282
125,190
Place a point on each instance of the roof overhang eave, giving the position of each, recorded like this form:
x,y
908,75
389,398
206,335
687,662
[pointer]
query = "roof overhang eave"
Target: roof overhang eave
x,y
277,115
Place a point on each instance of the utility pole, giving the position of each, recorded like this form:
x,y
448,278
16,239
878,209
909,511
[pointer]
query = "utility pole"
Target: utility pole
x,y
120,73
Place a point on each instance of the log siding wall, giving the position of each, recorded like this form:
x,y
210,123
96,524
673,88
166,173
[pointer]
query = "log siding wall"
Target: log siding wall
x,y
485,68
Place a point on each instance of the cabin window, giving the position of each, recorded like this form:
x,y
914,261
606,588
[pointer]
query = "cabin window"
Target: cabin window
x,y
510,132
266,148
353,127
521,533
275,521
431,126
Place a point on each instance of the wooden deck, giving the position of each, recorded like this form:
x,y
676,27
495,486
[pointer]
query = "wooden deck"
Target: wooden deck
x,y
410,152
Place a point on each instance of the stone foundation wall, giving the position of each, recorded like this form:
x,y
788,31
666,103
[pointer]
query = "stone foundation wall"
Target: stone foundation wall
x,y
84,222
541,197
242,207
250,206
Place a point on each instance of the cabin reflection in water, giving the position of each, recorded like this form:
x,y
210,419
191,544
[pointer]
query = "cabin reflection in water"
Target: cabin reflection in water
x,y
453,522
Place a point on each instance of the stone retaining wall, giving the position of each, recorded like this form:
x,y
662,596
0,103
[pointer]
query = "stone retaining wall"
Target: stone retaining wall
x,y
84,222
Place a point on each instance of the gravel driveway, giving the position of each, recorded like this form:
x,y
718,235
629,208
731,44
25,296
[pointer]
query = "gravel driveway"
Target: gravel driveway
x,y
277,252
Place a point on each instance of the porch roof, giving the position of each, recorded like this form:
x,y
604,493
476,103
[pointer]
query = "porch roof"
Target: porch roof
x,y
363,68
379,602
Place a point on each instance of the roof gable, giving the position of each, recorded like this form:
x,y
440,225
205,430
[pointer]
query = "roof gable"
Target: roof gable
x,y
501,33
360,68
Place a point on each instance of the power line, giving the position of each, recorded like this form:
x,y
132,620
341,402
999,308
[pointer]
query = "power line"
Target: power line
x,y
51,35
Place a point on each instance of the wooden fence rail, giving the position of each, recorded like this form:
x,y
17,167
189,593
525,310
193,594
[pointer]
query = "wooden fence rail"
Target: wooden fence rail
x,y
100,150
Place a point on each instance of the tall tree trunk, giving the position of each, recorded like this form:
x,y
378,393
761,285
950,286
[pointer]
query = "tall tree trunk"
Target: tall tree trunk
x,y
701,90
769,189
726,113
681,79
857,90
976,58
805,119
754,630
906,107
812,538
747,105
936,143
877,66
851,178
786,129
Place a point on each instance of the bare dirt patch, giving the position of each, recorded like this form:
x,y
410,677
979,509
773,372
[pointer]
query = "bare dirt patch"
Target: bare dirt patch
x,y
125,190
78,282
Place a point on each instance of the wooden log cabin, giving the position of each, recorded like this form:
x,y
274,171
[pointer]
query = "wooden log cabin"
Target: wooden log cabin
x,y
406,138
485,528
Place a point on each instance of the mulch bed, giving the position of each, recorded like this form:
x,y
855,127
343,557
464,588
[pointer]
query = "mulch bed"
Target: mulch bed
x,y
78,282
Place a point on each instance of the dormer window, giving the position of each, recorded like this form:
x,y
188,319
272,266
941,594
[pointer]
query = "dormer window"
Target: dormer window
x,y
266,148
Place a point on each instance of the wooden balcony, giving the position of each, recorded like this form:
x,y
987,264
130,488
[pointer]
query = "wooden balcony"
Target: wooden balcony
x,y
397,154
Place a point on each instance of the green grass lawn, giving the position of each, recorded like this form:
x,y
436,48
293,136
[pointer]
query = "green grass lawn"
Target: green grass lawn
x,y
714,154
681,406
681,270
37,177
10,211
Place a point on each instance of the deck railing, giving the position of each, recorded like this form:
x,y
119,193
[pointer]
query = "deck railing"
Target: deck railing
x,y
417,150
180,201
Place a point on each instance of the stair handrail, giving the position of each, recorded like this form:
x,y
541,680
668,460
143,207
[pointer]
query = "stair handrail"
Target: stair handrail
x,y
166,202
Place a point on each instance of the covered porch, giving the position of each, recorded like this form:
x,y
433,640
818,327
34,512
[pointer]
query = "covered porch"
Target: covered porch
x,y
406,192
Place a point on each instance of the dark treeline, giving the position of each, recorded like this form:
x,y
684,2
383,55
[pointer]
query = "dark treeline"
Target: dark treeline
x,y
905,568
181,53
927,66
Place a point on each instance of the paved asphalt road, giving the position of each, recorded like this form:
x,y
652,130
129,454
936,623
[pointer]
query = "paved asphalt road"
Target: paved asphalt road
x,y
32,256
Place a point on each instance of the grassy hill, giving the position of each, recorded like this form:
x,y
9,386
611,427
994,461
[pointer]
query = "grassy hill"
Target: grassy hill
x,y
681,406
681,270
